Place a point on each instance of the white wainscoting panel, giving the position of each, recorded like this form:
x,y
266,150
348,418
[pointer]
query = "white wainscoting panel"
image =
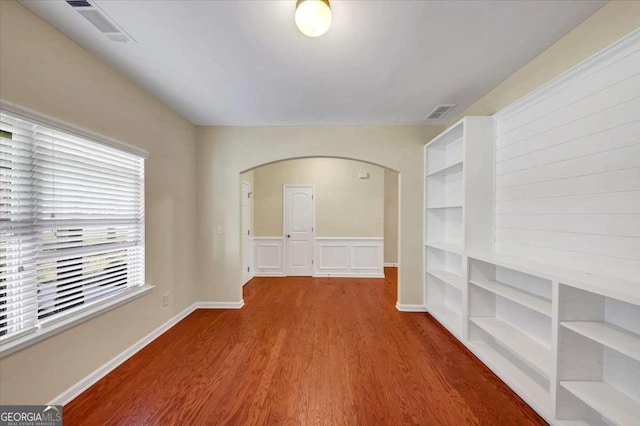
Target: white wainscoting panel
x,y
349,257
568,168
268,256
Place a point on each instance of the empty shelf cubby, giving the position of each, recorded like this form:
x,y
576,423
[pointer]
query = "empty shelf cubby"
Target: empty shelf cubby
x,y
598,358
445,287
510,326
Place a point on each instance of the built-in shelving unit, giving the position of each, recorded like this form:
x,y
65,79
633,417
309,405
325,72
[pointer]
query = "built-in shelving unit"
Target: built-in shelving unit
x,y
531,241
567,342
450,160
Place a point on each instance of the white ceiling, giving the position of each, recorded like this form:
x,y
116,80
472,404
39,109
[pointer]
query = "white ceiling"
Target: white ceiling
x,y
381,62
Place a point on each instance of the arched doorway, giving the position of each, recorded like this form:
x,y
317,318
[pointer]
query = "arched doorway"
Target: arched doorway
x,y
225,152
354,231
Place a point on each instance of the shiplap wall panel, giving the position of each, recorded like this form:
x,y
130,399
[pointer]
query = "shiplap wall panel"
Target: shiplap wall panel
x,y
615,116
611,204
568,170
620,224
617,94
618,68
602,245
615,159
597,183
606,140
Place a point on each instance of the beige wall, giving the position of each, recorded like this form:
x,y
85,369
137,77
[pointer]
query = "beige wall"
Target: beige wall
x,y
346,206
609,24
45,71
223,152
390,216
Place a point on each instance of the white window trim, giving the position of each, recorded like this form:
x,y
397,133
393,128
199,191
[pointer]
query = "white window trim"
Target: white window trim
x,y
65,322
51,327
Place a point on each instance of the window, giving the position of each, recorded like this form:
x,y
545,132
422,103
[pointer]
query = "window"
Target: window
x,y
71,223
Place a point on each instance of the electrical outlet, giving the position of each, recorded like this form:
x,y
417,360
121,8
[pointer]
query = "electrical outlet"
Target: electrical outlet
x,y
165,300
220,230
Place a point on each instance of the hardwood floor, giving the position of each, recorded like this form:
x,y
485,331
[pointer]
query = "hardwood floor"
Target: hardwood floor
x,y
324,351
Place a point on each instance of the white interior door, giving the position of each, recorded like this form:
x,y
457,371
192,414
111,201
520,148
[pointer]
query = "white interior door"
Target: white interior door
x,y
298,229
247,249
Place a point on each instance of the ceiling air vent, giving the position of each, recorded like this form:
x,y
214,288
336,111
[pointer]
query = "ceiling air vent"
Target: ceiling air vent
x,y
79,3
99,19
439,112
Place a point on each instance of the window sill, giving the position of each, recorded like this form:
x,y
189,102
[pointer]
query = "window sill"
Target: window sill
x,y
62,324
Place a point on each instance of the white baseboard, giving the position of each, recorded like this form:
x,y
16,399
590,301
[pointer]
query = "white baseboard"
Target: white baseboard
x,y
410,308
219,305
327,275
347,275
82,385
391,265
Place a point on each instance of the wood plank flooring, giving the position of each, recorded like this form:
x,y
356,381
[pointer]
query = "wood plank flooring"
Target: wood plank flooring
x,y
304,351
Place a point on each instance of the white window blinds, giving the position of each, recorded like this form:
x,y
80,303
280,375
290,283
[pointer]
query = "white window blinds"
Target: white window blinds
x,y
72,223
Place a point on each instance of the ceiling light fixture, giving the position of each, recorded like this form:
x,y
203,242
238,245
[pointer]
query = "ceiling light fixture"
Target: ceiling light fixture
x,y
313,17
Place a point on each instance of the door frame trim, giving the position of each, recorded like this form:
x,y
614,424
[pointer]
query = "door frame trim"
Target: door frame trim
x,y
250,245
285,266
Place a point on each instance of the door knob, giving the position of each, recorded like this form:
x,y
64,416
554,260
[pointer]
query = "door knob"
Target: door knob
x,y
288,236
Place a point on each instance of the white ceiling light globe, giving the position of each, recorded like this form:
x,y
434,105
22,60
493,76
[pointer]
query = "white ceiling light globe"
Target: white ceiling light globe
x,y
313,17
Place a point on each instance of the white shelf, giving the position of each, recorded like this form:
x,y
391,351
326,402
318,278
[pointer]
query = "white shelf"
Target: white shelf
x,y
607,400
521,297
530,390
614,287
448,318
454,248
447,170
532,353
609,335
445,206
450,278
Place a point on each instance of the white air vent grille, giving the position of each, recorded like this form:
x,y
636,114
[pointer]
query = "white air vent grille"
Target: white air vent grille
x,y
98,20
439,111
92,13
